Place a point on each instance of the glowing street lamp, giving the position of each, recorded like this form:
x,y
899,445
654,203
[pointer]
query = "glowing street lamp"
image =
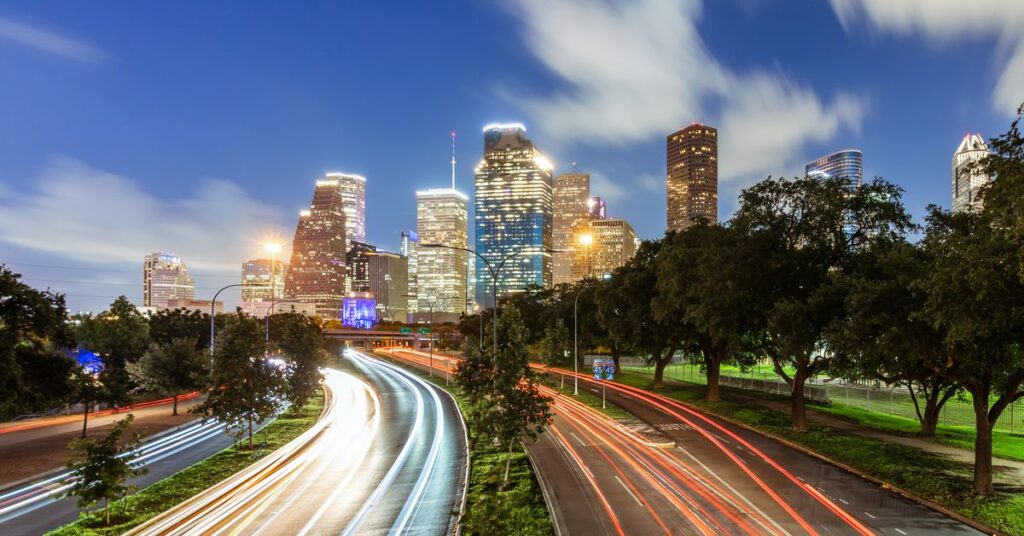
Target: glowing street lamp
x,y
273,248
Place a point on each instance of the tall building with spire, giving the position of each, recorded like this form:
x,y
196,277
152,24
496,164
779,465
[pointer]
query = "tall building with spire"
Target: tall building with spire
x,y
165,278
692,176
316,273
442,217
571,202
513,214
968,177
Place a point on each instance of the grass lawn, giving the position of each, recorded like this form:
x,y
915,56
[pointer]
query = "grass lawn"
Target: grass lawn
x,y
586,397
517,508
938,479
147,503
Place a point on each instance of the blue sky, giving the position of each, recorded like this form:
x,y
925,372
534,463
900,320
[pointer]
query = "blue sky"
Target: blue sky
x,y
199,127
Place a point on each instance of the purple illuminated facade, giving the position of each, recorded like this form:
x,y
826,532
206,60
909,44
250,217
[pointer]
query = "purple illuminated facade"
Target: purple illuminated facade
x,y
359,310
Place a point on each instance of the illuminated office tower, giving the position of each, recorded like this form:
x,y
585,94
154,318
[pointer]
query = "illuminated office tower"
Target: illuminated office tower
x,y
261,282
848,163
513,212
388,275
968,178
602,246
571,202
353,202
316,273
165,278
357,262
692,176
596,208
442,217
408,249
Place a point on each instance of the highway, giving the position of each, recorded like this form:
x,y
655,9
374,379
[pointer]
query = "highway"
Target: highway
x,y
388,456
703,477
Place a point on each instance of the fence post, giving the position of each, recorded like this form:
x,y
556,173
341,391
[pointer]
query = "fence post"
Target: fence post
x,y
890,401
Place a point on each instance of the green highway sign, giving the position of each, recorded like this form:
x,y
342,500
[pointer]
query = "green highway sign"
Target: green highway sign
x,y
423,331
405,329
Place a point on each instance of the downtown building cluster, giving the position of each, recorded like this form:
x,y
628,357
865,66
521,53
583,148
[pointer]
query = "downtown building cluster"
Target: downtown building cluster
x,y
533,228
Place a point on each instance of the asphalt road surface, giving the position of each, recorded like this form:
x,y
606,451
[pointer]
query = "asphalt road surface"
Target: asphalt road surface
x,y
388,456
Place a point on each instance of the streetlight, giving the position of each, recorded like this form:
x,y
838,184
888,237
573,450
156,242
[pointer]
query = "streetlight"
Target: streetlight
x,y
430,308
586,240
273,249
213,314
576,343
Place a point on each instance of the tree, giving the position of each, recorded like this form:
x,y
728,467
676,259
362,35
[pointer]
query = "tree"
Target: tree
x,y
882,337
171,368
705,281
119,335
87,390
245,385
556,347
625,312
505,404
101,468
168,325
301,343
34,342
812,227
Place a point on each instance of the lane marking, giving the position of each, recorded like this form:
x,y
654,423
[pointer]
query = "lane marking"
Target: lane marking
x,y
900,531
869,515
582,443
629,491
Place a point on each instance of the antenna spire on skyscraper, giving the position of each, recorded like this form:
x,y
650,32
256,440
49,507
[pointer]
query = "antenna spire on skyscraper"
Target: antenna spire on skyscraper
x,y
453,160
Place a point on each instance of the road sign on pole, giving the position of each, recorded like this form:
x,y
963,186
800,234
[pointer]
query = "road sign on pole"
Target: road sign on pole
x,y
423,331
405,330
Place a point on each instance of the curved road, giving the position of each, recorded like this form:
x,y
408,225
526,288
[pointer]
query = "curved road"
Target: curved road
x,y
388,456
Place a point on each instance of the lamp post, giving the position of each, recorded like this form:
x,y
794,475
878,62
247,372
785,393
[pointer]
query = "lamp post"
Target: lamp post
x,y
430,341
213,314
575,343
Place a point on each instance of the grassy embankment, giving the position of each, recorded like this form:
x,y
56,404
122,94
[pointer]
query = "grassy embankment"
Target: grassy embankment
x,y
930,476
147,503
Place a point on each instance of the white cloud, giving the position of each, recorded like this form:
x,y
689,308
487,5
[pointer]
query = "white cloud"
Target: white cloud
x,y
946,21
93,216
605,188
48,41
638,69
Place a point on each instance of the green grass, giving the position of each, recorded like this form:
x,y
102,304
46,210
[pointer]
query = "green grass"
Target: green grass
x,y
927,475
147,503
586,397
516,509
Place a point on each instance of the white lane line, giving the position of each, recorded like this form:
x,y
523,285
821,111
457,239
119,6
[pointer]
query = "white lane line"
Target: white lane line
x,y
843,501
582,444
900,531
629,491
869,515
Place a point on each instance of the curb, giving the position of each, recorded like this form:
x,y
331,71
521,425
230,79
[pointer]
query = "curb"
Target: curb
x,y
554,511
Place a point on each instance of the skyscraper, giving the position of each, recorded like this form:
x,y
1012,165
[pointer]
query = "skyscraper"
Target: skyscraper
x,y
316,273
357,262
968,178
353,202
847,163
571,195
692,176
408,249
601,246
597,209
513,212
165,277
389,284
261,282
442,217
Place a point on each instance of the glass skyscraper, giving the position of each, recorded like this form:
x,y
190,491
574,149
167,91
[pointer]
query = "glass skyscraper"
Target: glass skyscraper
x,y
571,193
513,212
968,178
847,163
316,273
442,217
692,176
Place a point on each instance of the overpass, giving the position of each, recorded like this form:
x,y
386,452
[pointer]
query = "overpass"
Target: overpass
x,y
368,338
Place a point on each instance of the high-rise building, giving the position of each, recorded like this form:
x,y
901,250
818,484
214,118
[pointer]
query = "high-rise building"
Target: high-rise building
x,y
353,202
602,246
261,281
968,177
692,177
596,208
165,277
408,250
848,163
388,277
513,212
316,273
571,201
442,217
357,261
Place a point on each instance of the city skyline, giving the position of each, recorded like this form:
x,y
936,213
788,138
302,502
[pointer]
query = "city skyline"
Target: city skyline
x,y
209,140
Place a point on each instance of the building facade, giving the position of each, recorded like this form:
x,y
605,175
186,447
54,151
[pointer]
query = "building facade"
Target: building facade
x,y
442,217
408,250
316,273
513,217
165,277
571,202
353,202
848,163
388,282
692,176
262,279
199,306
358,263
968,178
602,246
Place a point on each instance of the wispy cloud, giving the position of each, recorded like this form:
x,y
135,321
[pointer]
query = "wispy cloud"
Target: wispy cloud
x,y
89,215
634,70
48,41
605,188
946,21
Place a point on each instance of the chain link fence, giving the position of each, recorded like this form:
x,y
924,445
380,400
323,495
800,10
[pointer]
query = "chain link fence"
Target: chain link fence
x,y
896,401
